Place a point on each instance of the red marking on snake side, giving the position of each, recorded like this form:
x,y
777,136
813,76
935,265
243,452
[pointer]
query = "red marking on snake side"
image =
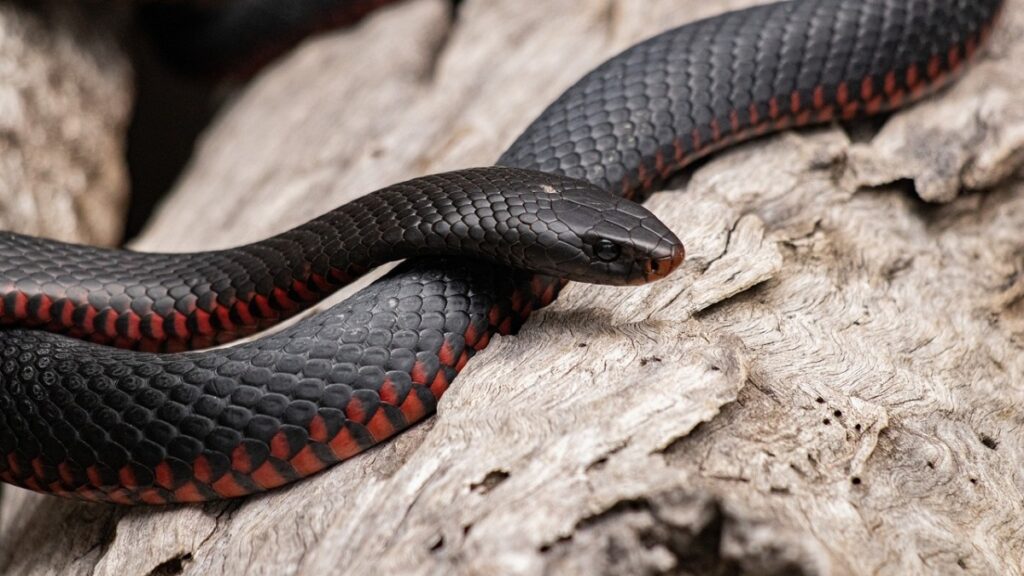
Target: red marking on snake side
x,y
127,477
318,429
446,355
32,484
179,324
279,446
66,312
867,88
156,326
163,475
64,471
202,321
241,461
486,339
418,374
267,477
413,408
380,427
121,496
20,305
913,76
306,462
843,94
679,151
229,487
188,492
355,410
283,299
388,393
343,445
38,467
244,313
954,57
94,476
43,310
202,470
795,103
132,330
152,496
320,282
439,385
263,305
302,290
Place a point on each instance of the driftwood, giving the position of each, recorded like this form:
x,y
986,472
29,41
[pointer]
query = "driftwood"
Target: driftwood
x,y
65,99
831,385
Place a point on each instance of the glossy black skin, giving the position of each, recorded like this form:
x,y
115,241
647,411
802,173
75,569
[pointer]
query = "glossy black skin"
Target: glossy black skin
x,y
626,127
523,219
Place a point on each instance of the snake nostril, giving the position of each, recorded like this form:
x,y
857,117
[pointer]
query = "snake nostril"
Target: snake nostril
x,y
662,267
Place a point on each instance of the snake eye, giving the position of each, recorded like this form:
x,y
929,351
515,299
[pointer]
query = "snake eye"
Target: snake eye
x,y
607,251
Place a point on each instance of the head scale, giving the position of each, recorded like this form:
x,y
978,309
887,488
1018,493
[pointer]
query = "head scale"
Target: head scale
x,y
579,232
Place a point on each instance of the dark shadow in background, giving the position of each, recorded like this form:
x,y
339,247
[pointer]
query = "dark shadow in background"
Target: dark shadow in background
x,y
171,111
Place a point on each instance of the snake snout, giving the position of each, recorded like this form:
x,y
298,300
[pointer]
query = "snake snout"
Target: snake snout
x,y
662,265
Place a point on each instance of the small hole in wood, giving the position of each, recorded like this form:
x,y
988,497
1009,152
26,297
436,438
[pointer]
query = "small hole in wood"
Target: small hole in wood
x,y
989,442
438,544
490,482
172,567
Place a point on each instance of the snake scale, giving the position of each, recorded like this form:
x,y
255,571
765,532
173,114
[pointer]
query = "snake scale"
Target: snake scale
x,y
130,426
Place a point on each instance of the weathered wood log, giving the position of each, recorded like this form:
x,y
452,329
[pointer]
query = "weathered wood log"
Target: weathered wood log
x,y
65,99
831,385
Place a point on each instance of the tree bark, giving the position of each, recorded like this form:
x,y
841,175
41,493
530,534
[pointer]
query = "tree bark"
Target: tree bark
x,y
831,384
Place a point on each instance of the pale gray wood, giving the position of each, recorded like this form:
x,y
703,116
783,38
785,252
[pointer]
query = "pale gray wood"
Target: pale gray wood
x,y
65,100
831,385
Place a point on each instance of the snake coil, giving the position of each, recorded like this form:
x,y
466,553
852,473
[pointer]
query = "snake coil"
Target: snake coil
x,y
132,427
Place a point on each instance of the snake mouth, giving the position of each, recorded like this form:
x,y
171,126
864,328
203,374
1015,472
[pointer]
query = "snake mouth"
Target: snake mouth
x,y
658,268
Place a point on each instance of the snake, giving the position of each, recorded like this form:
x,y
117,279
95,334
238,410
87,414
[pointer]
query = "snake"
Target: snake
x,y
101,423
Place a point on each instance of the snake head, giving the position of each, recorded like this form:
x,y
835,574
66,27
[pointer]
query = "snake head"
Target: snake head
x,y
584,234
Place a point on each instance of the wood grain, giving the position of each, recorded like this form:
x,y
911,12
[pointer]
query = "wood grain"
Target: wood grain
x,y
830,385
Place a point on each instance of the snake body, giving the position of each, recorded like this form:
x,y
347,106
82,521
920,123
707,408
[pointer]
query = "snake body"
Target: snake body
x,y
133,427
171,302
